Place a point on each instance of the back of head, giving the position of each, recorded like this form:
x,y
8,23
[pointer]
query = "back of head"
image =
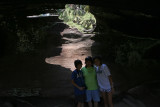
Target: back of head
x,y
77,62
99,58
89,58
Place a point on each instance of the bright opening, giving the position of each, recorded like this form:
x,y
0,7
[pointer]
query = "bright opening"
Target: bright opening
x,y
78,16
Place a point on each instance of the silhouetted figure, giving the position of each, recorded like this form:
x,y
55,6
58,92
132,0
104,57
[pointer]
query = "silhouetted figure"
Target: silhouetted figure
x,y
78,83
104,79
89,73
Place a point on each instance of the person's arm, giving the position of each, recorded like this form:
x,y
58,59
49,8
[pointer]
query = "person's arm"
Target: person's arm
x,y
111,83
74,84
107,72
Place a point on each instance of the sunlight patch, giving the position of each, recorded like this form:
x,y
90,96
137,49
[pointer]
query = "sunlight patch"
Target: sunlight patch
x,y
78,16
42,15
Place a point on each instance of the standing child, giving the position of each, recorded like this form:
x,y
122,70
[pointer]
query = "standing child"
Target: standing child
x,y
78,83
104,81
90,79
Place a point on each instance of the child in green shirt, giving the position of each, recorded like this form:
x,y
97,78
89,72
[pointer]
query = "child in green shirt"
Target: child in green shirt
x,y
90,79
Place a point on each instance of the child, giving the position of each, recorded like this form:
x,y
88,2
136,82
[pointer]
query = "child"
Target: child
x,y
90,79
104,81
78,83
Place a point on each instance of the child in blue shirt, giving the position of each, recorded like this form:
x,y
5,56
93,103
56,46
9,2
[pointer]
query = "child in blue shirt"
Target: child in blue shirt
x,y
78,83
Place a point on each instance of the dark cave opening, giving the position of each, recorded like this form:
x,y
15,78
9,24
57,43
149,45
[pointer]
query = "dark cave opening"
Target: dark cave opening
x,y
128,41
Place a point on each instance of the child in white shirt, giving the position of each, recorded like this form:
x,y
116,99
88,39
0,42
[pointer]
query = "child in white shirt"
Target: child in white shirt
x,y
104,79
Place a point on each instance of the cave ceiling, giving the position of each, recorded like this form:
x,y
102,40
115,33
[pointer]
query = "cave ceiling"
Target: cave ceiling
x,y
149,6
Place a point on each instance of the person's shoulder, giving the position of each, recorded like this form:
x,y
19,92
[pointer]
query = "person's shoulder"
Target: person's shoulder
x,y
93,67
80,70
83,68
75,71
104,65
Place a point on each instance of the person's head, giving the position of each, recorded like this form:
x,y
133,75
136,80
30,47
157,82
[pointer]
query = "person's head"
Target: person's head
x,y
78,64
89,61
97,60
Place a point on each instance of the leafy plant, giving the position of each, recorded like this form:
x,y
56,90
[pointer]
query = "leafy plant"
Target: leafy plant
x,y
78,16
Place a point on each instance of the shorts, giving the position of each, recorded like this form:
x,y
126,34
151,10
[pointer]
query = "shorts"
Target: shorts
x,y
80,98
92,95
105,90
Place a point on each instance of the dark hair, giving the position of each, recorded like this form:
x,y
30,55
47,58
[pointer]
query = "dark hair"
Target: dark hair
x,y
99,58
89,58
77,62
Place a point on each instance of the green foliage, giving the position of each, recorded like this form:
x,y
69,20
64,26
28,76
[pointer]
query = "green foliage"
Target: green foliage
x,y
123,50
78,16
24,44
28,40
